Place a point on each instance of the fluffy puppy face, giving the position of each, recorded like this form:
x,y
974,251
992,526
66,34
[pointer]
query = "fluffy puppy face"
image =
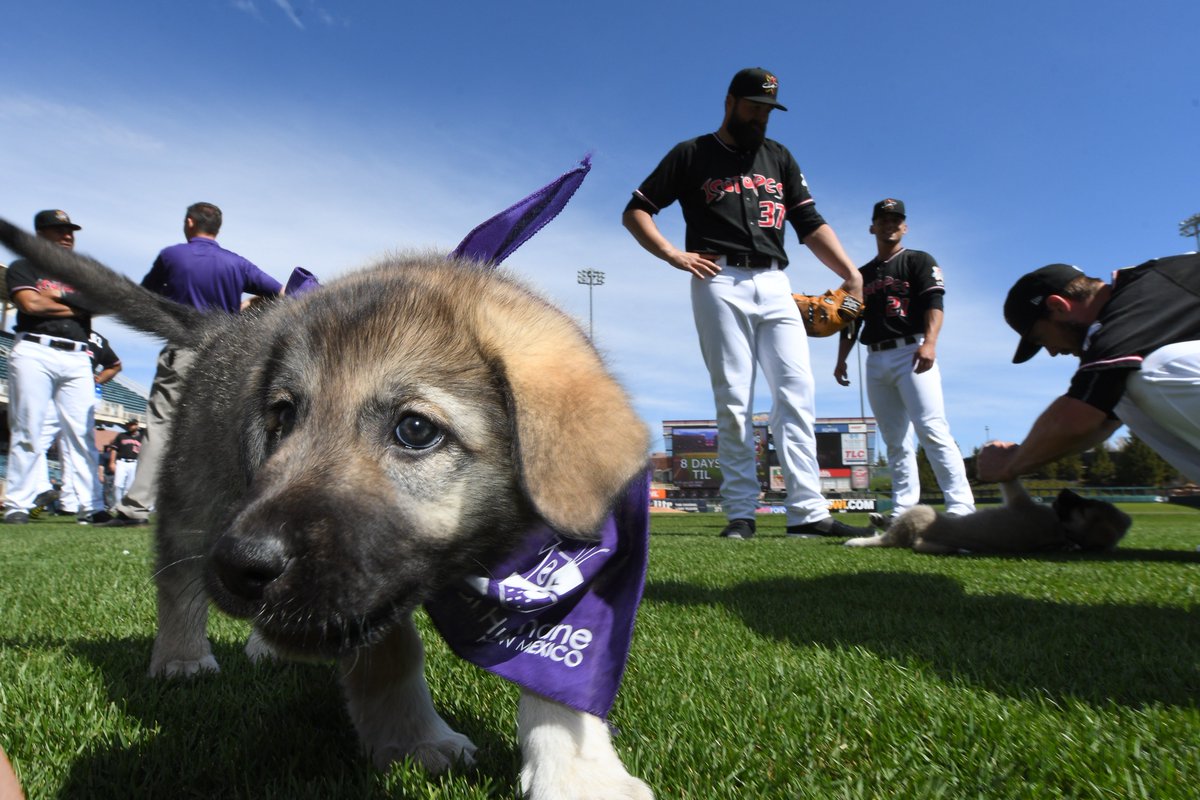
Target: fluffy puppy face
x,y
1090,524
397,439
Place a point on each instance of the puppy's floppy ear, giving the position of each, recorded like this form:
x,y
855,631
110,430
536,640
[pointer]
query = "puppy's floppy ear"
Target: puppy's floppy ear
x,y
578,441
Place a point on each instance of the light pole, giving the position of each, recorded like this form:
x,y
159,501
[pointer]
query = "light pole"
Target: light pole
x,y
1191,227
590,278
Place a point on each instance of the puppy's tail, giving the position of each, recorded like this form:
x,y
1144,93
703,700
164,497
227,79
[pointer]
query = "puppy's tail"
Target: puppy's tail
x,y
104,291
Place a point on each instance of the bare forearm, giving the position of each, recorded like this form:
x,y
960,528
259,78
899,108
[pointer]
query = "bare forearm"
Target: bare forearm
x,y
37,304
1066,426
641,225
840,372
933,325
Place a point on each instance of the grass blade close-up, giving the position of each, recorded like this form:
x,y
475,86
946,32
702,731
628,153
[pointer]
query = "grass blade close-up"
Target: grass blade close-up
x,y
768,668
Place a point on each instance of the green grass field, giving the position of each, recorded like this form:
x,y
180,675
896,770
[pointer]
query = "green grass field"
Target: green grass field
x,y
772,668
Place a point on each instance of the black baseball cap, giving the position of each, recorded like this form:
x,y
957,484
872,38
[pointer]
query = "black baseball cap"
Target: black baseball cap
x,y
757,85
53,218
1026,302
888,205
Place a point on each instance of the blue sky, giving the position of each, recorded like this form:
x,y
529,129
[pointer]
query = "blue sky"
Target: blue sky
x,y
331,133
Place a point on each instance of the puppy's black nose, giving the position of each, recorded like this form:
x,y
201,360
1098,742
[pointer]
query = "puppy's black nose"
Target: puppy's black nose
x,y
246,567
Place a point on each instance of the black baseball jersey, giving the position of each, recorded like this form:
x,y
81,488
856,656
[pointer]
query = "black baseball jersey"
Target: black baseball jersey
x,y
23,275
1152,305
896,294
103,356
128,445
734,202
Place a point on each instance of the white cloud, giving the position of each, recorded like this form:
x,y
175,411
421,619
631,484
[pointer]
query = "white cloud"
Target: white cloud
x,y
246,7
286,7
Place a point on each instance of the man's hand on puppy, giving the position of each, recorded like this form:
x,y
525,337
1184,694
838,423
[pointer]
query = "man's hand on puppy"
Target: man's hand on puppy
x,y
992,463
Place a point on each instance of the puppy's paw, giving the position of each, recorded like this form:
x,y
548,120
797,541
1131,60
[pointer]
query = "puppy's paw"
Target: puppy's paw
x,y
865,541
258,650
583,780
436,755
569,755
183,668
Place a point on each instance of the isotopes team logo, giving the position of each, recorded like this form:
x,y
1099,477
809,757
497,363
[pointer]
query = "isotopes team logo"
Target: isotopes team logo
x,y
557,574
770,84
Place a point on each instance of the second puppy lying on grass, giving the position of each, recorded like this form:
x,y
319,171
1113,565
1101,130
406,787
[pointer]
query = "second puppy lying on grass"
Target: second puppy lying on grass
x,y
1020,525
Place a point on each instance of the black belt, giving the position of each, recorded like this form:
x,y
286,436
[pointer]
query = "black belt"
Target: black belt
x,y
130,460
57,344
891,344
749,261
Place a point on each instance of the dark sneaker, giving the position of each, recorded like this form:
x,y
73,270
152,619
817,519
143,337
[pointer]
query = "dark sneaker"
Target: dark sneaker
x,y
16,518
828,527
42,502
118,520
739,529
94,518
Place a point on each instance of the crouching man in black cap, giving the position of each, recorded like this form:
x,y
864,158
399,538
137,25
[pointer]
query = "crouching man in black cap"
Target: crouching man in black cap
x,y
1138,343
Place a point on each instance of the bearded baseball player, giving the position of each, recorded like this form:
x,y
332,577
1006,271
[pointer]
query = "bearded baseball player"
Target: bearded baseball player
x,y
736,189
901,320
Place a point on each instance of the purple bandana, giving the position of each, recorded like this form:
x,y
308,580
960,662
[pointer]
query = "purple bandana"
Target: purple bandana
x,y
494,240
301,281
556,615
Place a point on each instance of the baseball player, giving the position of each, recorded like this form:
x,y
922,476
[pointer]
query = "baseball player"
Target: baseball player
x,y
736,189
105,366
50,372
1138,344
124,456
900,323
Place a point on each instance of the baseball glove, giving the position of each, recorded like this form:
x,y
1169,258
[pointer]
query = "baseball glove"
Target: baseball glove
x,y
826,314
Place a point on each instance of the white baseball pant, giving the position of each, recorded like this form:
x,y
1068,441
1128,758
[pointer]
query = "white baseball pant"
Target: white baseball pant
x,y
747,318
1162,405
123,475
67,498
903,402
43,380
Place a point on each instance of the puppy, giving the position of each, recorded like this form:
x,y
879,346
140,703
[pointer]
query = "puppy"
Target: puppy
x,y
340,458
1020,525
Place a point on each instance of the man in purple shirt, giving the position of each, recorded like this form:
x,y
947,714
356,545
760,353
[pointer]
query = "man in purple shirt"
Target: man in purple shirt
x,y
197,273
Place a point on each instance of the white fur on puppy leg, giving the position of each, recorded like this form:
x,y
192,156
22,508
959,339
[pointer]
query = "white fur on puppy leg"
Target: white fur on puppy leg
x,y
258,649
568,755
391,708
181,648
877,540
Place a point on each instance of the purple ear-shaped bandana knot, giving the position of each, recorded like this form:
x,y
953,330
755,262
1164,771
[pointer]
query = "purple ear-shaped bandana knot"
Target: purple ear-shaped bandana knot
x,y
300,282
493,241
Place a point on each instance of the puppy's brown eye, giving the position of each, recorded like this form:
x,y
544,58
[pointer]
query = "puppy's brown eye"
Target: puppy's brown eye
x,y
281,418
415,432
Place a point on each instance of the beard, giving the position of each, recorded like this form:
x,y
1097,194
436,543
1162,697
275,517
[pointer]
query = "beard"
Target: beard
x,y
747,134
